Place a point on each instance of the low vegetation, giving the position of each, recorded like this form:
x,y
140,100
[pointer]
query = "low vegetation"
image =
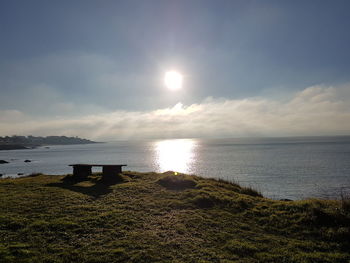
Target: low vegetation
x,y
28,142
150,217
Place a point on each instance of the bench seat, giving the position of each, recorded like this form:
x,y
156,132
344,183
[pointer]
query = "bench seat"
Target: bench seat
x,y
85,170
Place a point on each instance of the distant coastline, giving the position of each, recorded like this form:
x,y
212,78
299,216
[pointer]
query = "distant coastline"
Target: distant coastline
x,y
13,147
29,142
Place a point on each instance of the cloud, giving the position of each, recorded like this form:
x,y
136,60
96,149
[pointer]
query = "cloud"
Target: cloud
x,y
11,116
317,110
73,78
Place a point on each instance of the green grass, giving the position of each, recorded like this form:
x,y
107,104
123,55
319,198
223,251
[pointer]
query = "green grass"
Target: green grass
x,y
149,217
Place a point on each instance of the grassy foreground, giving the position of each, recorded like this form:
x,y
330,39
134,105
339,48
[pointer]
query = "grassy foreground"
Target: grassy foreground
x,y
149,217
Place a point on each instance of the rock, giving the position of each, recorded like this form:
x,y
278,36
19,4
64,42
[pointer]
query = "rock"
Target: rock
x,y
287,200
0,175
27,161
20,174
3,161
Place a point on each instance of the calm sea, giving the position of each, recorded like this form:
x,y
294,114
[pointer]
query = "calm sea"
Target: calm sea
x,y
293,168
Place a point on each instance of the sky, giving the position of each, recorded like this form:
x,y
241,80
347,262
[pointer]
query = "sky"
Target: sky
x,y
95,69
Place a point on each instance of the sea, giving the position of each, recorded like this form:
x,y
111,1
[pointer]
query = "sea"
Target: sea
x,y
280,168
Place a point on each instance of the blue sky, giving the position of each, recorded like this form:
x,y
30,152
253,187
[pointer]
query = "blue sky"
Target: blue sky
x,y
61,60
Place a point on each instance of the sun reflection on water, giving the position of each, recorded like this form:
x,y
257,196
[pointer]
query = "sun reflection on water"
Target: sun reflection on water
x,y
175,155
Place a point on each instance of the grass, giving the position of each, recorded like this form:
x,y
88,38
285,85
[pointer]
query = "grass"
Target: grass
x,y
345,202
150,217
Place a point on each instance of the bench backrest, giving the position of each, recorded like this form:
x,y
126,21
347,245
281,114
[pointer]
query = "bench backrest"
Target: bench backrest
x,y
99,165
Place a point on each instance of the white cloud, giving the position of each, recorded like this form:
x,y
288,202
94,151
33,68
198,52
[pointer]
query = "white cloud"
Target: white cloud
x,y
11,116
316,110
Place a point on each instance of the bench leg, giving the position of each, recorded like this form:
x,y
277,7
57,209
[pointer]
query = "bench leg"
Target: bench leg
x,y
82,171
108,172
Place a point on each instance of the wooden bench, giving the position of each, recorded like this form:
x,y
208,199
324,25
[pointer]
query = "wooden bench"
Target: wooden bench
x,y
108,170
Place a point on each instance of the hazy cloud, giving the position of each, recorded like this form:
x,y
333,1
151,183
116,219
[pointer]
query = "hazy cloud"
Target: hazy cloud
x,y
316,110
73,78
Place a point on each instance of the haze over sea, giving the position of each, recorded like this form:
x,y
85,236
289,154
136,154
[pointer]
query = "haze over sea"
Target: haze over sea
x,y
293,168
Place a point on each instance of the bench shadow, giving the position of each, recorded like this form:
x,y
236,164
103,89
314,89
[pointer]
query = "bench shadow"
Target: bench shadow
x,y
98,188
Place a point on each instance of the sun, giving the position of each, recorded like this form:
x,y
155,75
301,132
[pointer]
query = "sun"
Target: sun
x,y
173,80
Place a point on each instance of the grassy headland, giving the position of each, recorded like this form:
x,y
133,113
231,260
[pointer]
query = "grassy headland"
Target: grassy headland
x,y
150,217
28,142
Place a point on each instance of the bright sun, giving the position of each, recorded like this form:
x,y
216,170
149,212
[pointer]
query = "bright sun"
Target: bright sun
x,y
173,80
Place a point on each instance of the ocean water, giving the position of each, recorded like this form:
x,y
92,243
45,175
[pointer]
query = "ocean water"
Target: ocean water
x,y
293,168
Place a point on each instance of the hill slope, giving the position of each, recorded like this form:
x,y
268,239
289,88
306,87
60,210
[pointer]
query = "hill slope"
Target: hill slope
x,y
149,217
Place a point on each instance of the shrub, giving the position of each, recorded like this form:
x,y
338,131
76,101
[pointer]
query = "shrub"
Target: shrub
x,y
177,182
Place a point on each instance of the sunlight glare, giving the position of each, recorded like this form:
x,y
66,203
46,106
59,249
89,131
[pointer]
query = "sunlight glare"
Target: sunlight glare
x,y
175,155
173,80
